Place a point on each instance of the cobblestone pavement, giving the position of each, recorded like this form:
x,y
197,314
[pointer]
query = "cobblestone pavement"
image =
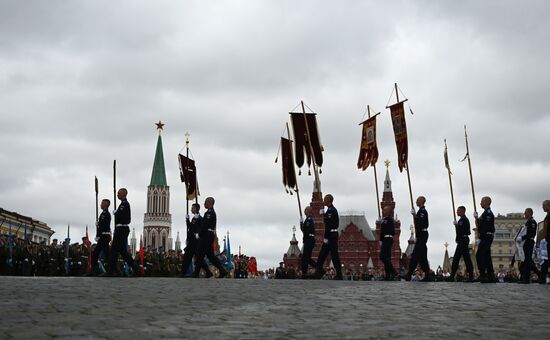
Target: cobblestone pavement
x,y
126,308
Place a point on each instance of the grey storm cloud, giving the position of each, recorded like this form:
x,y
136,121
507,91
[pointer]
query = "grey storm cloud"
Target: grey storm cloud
x,y
81,84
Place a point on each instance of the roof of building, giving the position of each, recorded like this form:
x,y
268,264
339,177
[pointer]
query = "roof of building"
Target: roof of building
x,y
23,220
360,221
158,176
293,250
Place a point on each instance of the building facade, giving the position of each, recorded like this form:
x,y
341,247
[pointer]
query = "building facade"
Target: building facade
x,y
358,243
157,222
14,223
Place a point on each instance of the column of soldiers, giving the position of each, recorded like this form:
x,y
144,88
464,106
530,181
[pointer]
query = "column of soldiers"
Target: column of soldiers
x,y
485,226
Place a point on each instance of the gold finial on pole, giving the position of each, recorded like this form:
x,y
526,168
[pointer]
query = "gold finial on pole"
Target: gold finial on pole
x,y
387,163
293,229
187,135
446,245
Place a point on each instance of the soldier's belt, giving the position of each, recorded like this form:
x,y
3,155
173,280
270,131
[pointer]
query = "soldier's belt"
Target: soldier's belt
x,y
212,230
333,230
312,235
121,225
105,233
425,229
489,234
388,236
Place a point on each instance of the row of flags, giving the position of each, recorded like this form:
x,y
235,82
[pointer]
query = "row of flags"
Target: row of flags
x,y
307,142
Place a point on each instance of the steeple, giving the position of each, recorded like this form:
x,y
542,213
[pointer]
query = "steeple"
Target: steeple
x,y
293,250
387,181
157,221
158,177
178,242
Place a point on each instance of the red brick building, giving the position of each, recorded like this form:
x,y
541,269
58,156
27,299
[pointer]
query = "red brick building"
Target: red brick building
x,y
358,243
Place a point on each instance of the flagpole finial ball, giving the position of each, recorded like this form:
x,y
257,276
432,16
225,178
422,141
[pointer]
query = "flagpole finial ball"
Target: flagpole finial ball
x,y
387,163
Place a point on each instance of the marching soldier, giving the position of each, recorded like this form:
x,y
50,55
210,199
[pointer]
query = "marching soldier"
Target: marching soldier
x,y
102,237
330,243
308,229
486,227
462,229
207,235
546,236
192,242
120,239
386,239
420,251
528,245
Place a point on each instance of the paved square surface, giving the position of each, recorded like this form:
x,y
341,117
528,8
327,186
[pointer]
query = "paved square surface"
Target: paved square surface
x,y
126,308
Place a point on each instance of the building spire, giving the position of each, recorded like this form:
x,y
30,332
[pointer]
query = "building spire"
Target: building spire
x,y
387,181
158,177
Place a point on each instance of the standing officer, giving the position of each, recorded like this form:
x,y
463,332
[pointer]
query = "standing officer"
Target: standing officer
x,y
308,229
330,243
207,235
528,245
420,251
120,239
546,236
192,242
386,238
102,236
462,229
486,227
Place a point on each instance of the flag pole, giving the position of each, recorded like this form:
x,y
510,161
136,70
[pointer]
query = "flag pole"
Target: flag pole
x,y
114,183
375,180
186,184
471,174
447,165
407,162
317,182
292,161
96,200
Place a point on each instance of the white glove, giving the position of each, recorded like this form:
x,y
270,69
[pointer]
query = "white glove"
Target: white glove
x,y
197,215
476,216
197,236
379,221
478,241
301,219
325,241
455,222
322,212
187,216
96,239
114,211
413,212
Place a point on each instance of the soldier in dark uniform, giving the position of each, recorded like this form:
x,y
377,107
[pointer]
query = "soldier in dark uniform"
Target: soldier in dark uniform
x,y
207,235
387,232
420,251
330,242
120,238
486,228
102,236
545,235
192,242
308,229
528,246
462,229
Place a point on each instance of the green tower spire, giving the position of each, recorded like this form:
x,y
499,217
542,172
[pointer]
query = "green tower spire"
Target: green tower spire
x,y
158,177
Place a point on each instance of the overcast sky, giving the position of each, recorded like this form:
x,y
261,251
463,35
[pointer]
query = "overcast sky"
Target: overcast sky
x,y
82,83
